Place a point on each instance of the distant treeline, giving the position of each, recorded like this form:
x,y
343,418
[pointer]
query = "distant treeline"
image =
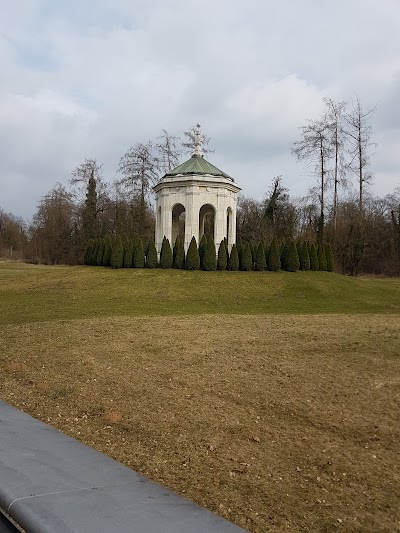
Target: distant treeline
x,y
363,231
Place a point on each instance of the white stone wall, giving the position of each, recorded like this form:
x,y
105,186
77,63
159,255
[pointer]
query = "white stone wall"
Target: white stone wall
x,y
193,192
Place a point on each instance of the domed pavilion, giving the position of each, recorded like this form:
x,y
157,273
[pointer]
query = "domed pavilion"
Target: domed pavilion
x,y
195,198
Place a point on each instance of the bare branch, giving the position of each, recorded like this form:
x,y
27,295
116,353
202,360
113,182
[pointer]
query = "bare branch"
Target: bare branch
x,y
190,144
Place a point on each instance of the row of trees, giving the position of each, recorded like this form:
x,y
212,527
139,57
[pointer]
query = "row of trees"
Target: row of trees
x,y
336,145
364,231
123,252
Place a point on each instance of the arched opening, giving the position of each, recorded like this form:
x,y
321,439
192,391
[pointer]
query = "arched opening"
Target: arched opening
x,y
229,227
207,221
178,222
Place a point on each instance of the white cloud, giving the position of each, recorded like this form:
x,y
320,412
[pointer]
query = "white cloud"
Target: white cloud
x,y
91,79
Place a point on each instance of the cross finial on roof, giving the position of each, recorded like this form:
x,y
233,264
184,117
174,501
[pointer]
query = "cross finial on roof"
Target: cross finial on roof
x,y
197,141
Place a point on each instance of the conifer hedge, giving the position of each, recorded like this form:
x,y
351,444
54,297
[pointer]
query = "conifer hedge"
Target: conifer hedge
x,y
120,252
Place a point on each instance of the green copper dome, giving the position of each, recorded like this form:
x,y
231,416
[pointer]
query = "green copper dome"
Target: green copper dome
x,y
197,165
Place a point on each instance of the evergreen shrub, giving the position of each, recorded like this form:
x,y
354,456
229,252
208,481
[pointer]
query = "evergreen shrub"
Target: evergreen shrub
x,y
314,264
179,253
117,255
260,262
192,256
304,257
330,263
209,258
202,248
138,259
100,253
321,257
274,258
151,257
128,253
107,251
166,254
233,261
292,258
222,261
246,263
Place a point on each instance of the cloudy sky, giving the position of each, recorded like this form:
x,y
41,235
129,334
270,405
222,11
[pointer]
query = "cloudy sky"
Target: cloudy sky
x,y
90,78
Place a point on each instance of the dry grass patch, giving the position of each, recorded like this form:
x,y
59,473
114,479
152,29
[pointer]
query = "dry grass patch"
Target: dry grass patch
x,y
279,423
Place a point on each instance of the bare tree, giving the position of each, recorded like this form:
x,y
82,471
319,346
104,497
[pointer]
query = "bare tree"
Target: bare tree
x,y
315,146
52,229
168,151
335,118
140,170
359,135
194,136
90,169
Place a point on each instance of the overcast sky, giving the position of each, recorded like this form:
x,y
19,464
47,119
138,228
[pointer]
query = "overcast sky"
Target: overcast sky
x,y
90,78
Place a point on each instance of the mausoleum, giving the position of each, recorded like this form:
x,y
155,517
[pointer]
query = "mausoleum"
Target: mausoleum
x,y
194,198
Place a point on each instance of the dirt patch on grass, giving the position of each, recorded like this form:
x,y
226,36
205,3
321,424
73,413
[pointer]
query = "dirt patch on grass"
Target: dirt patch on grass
x,y
279,423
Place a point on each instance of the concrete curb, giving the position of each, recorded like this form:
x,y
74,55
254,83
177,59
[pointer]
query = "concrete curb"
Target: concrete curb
x,y
50,482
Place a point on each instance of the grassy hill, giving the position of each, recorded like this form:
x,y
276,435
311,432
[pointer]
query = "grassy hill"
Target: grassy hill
x,y
32,293
270,398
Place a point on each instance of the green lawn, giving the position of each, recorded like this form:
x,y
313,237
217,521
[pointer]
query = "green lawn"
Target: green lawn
x,y
35,293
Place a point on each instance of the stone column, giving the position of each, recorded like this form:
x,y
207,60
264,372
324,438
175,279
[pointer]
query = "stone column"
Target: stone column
x,y
191,217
